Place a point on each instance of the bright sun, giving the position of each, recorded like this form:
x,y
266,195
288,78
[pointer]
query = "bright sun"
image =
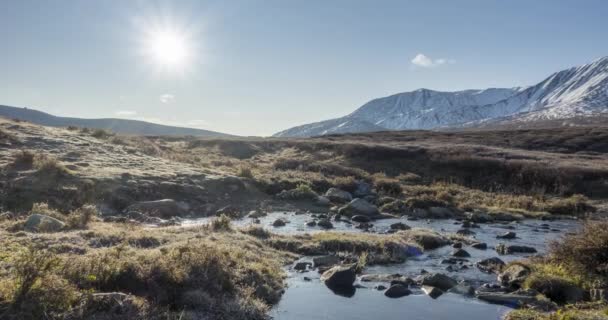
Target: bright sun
x,y
168,49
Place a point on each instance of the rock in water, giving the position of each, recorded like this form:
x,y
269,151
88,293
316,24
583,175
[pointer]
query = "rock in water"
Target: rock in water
x,y
359,207
360,218
399,226
278,223
397,291
508,235
508,249
42,223
461,253
432,292
325,224
491,265
480,246
339,277
338,196
438,280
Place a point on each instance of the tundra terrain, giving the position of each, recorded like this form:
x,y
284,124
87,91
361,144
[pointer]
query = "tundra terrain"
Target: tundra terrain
x,y
96,225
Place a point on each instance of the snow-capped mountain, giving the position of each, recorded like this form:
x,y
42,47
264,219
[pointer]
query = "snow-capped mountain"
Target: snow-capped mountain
x,y
566,94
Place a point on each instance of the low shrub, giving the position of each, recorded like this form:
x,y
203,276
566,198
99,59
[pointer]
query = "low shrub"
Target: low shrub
x,y
245,172
221,223
101,134
80,218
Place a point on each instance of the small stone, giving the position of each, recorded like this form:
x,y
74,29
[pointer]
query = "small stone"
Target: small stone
x,y
480,246
461,253
508,235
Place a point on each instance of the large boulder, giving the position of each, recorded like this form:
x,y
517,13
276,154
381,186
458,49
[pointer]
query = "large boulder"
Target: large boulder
x,y
438,280
339,277
165,208
337,195
42,223
359,207
514,275
491,265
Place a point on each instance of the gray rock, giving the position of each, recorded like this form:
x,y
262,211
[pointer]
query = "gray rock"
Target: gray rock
x,y
302,266
383,277
399,226
479,217
480,246
514,299
279,223
339,277
509,249
432,292
363,189
438,280
311,223
491,265
360,218
359,207
397,291
507,235
514,275
441,213
463,289
325,224
338,196
461,253
323,201
42,223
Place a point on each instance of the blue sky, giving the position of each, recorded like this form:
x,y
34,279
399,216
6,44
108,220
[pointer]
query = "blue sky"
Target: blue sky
x,y
257,67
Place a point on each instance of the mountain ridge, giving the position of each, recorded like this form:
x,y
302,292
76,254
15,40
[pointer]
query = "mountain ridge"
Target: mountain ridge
x,y
569,93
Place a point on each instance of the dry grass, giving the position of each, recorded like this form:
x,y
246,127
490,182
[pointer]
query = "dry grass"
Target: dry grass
x,y
188,273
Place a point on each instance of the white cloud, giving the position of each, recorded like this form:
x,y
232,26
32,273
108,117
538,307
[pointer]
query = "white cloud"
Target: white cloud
x,y
125,113
421,60
166,98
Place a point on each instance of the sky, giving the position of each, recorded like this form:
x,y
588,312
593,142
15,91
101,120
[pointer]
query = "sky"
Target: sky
x,y
250,67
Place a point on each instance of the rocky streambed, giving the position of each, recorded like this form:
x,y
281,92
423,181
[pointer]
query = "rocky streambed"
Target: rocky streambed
x,y
308,297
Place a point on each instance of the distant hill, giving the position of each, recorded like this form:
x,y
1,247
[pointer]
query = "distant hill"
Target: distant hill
x,y
122,126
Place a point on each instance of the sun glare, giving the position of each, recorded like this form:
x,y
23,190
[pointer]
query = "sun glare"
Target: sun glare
x,y
168,49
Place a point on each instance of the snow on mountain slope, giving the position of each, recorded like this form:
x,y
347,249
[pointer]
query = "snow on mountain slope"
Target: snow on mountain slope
x,y
427,109
333,126
569,93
